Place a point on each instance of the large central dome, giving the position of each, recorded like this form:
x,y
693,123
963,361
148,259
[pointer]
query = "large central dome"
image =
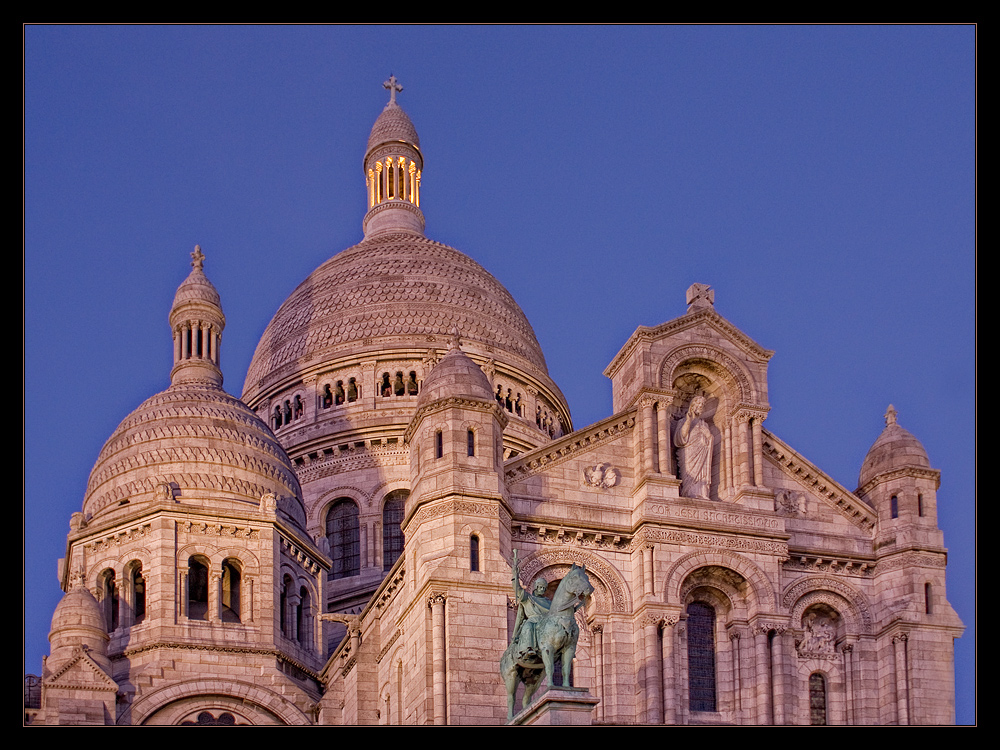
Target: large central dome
x,y
341,363
392,289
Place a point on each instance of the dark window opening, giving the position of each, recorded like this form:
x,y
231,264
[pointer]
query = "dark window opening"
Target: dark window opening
x,y
474,553
701,656
343,534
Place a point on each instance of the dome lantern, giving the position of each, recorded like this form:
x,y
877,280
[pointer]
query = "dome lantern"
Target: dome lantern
x,y
197,322
393,167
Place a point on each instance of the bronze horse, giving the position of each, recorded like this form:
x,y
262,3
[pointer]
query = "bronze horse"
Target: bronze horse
x,y
556,633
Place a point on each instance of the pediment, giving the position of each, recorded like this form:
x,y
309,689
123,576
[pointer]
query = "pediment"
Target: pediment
x,y
715,328
587,445
81,672
816,483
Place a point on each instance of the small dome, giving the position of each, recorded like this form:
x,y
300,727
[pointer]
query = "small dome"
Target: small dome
x,y
894,449
393,126
196,288
78,610
455,376
209,448
78,621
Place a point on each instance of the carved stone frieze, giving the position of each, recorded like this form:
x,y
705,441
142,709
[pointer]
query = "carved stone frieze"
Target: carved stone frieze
x,y
303,557
733,543
920,559
523,532
203,528
123,536
829,564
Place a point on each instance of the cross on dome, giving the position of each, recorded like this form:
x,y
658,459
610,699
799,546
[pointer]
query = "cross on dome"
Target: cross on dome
x,y
197,258
393,85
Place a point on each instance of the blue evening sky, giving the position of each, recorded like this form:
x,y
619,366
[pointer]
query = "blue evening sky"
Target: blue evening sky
x,y
821,179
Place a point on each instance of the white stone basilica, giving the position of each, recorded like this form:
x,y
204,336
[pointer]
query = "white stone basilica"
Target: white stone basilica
x,y
335,547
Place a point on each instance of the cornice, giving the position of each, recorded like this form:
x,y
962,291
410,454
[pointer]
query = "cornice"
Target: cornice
x,y
270,652
568,446
454,402
906,471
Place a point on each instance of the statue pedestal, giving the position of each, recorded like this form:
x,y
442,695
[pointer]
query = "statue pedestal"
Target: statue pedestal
x,y
559,706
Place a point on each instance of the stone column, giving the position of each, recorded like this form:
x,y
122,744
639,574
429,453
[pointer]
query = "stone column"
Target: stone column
x,y
648,431
291,621
663,443
598,636
648,587
902,697
214,596
744,463
438,665
653,681
734,650
758,453
778,671
848,652
669,671
763,691
182,593
246,600
682,693
728,457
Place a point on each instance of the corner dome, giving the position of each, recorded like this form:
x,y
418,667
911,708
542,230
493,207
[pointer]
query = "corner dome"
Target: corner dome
x,y
455,376
78,622
393,291
207,447
895,448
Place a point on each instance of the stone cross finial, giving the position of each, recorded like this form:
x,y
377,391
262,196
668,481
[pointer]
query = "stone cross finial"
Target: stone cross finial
x,y
197,257
393,85
890,416
699,296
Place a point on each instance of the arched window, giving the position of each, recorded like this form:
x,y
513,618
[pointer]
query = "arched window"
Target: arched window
x,y
894,507
438,444
343,534
920,505
109,598
197,589
231,585
701,656
136,593
392,535
474,553
471,442
817,699
303,617
928,601
286,583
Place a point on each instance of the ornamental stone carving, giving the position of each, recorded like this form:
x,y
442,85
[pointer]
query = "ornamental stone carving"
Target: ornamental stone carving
x,y
602,475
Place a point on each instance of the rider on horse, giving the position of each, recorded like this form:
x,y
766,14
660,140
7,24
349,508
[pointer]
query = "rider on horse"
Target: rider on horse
x,y
531,607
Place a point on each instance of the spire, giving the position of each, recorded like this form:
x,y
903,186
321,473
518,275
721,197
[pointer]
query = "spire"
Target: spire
x,y
197,322
393,168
